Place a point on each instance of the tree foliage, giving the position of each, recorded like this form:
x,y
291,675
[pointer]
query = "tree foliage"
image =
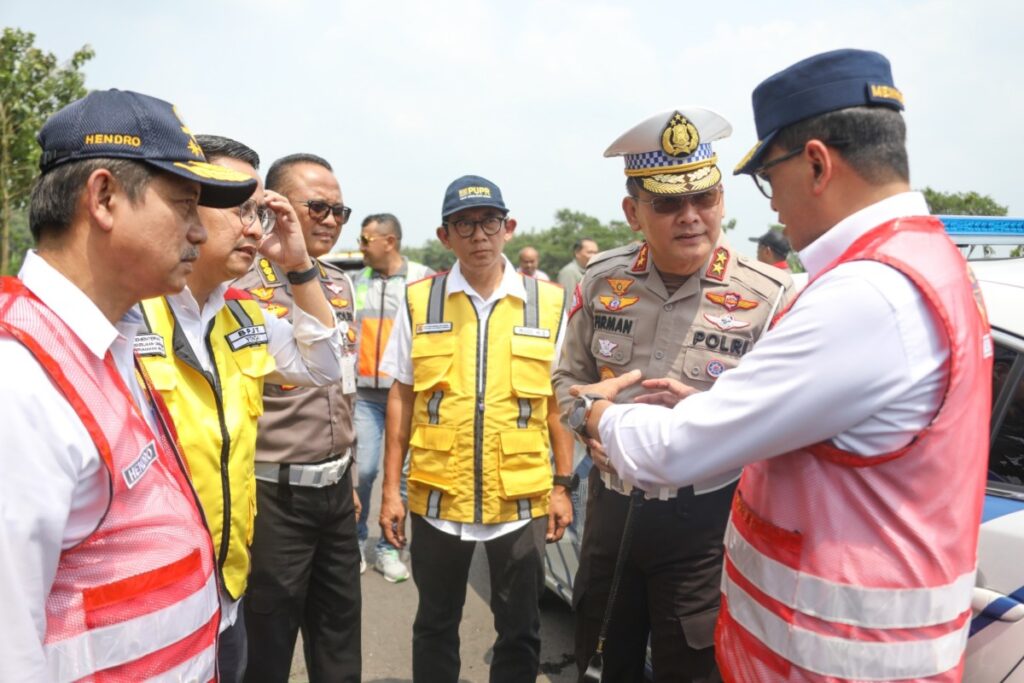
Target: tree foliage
x,y
962,204
33,86
555,243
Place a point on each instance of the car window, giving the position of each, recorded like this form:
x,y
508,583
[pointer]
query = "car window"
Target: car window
x,y
1006,458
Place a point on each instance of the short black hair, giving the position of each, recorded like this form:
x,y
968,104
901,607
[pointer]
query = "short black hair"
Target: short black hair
x,y
56,192
873,140
218,146
578,244
277,173
388,221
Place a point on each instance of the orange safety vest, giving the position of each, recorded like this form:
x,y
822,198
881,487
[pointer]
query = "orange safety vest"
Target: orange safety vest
x,y
842,567
137,599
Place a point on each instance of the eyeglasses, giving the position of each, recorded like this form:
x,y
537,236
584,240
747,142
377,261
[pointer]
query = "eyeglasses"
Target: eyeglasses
x,y
250,212
675,204
318,211
490,226
764,183
367,241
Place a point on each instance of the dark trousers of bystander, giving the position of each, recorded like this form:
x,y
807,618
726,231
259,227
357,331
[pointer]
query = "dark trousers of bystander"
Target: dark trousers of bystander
x,y
305,574
232,653
440,569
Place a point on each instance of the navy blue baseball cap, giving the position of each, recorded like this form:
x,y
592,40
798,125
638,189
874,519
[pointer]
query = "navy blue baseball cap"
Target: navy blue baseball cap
x,y
469,192
119,124
827,82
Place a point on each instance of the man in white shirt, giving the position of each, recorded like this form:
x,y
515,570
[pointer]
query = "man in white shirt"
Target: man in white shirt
x,y
114,217
222,350
865,488
472,403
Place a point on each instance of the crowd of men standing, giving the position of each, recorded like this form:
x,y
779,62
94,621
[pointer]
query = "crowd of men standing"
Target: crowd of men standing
x,y
196,407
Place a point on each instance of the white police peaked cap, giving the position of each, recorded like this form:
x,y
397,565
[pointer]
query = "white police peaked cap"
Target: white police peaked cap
x,y
670,153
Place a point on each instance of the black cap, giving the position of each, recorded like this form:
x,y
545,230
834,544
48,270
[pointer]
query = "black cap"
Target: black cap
x,y
830,81
119,124
469,192
774,240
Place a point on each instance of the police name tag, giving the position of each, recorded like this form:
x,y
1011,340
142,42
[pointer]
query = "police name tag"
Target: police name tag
x,y
150,345
134,472
433,328
533,332
247,336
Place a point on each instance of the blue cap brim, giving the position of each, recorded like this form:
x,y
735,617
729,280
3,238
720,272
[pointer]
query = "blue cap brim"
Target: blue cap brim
x,y
752,161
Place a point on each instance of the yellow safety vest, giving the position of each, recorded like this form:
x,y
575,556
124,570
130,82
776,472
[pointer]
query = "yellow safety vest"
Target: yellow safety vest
x,y
215,416
479,447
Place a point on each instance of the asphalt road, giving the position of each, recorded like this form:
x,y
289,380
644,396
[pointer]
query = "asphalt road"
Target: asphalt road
x,y
389,609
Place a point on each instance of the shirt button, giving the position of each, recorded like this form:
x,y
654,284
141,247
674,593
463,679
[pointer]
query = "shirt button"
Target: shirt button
x,y
659,355
694,371
669,307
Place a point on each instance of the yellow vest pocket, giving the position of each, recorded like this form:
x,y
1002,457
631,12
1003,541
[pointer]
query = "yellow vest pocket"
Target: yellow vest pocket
x,y
430,446
531,366
525,466
432,356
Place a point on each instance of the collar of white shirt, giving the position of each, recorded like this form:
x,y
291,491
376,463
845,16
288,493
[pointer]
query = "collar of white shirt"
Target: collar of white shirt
x,y
830,246
511,284
184,303
73,307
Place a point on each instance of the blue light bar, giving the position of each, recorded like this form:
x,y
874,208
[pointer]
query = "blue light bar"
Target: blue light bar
x,y
984,229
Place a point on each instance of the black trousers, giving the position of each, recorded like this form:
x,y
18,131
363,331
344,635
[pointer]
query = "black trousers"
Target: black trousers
x,y
305,574
232,653
669,590
440,569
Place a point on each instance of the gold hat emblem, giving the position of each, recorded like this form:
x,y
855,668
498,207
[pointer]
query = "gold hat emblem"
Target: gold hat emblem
x,y
680,137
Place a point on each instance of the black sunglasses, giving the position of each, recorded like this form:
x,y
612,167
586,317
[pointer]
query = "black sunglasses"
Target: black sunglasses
x,y
675,203
319,209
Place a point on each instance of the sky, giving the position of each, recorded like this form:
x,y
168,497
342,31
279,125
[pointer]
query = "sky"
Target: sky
x,y
404,97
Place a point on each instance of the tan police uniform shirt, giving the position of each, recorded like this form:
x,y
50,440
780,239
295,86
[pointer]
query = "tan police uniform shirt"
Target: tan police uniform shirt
x,y
623,318
306,424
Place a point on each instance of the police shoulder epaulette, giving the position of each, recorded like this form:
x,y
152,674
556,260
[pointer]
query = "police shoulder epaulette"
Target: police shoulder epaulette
x,y
268,273
625,250
233,293
778,277
330,267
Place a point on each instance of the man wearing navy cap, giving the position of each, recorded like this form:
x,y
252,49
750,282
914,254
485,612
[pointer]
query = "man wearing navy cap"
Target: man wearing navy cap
x,y
681,304
106,568
472,403
850,551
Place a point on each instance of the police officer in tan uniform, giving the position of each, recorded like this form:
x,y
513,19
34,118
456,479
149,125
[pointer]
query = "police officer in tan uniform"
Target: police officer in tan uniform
x,y
681,303
305,554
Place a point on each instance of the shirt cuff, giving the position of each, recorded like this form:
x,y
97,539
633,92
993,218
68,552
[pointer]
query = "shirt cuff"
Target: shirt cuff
x,y
307,329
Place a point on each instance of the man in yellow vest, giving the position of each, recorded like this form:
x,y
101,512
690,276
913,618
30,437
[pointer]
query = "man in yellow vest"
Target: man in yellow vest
x,y
472,402
208,350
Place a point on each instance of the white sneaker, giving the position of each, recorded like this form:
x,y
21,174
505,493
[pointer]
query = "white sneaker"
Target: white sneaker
x,y
390,565
362,559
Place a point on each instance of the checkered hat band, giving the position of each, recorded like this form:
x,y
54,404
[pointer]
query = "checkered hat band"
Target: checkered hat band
x,y
659,160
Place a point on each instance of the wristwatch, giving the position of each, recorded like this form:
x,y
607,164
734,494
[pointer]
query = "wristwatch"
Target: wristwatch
x,y
571,483
298,277
579,414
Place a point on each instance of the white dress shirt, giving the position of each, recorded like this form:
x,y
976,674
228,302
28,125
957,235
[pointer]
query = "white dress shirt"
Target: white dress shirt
x,y
54,488
859,361
308,354
397,362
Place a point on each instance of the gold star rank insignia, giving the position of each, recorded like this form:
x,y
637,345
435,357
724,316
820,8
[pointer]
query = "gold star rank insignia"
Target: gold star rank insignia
x,y
719,260
642,258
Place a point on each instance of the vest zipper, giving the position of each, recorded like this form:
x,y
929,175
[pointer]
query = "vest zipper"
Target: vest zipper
x,y
225,450
478,418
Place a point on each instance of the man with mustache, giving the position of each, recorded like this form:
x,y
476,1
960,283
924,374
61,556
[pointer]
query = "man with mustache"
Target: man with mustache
x,y
106,565
305,553
209,349
682,303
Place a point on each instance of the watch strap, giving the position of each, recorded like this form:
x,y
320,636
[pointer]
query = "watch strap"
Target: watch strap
x,y
303,276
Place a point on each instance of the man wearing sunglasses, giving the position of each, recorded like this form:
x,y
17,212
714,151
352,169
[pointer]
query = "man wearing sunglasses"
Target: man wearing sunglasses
x,y
380,298
472,402
305,555
861,420
209,349
682,304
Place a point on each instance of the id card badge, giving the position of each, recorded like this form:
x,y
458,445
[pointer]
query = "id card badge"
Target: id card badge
x,y
348,373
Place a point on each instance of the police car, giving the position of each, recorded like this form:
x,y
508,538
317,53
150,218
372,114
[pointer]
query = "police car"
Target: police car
x,y
995,647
